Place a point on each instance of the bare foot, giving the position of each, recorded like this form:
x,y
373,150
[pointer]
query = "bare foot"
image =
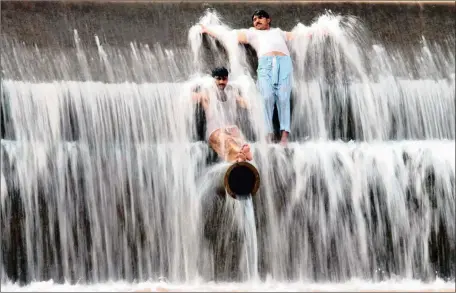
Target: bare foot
x,y
248,153
284,138
240,157
244,154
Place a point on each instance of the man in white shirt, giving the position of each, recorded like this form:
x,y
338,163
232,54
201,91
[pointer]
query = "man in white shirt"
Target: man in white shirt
x,y
275,69
220,107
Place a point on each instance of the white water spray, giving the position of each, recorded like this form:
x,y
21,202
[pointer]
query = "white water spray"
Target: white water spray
x,y
107,182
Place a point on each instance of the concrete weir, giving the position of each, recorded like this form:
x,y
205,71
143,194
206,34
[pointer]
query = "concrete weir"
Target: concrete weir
x,y
105,174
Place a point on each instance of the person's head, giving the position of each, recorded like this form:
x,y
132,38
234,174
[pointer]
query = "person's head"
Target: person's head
x,y
261,20
220,74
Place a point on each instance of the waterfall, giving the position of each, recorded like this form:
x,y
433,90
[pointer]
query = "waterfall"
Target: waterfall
x,y
104,176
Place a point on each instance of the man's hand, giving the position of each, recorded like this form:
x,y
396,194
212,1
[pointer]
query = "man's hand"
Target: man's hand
x,y
200,98
322,32
292,35
203,29
242,102
196,97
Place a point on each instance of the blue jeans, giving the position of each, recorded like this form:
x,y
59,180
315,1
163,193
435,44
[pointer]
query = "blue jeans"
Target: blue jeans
x,y
274,83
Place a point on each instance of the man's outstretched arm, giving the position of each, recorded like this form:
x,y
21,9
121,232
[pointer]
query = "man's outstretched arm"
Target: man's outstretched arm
x,y
241,36
196,94
290,36
196,97
199,96
208,31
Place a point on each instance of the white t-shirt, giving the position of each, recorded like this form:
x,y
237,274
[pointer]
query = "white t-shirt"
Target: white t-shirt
x,y
265,41
222,108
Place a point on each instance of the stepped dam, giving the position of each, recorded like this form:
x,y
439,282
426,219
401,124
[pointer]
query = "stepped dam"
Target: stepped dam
x,y
106,177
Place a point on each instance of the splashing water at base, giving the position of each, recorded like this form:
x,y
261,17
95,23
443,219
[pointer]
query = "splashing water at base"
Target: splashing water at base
x,y
401,285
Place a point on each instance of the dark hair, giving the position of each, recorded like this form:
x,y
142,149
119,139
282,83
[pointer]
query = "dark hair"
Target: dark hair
x,y
260,13
219,71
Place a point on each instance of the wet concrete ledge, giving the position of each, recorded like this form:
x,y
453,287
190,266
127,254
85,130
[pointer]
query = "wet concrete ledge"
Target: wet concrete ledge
x,y
51,23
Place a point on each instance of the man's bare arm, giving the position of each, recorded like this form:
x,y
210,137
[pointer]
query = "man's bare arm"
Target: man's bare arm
x,y
290,36
242,102
200,98
241,36
196,97
208,31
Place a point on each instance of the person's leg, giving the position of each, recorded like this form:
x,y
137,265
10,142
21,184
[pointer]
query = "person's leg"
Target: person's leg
x,y
245,154
216,142
266,89
284,95
230,145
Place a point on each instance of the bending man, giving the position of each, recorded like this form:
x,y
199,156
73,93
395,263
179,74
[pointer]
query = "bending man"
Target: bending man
x,y
220,106
275,68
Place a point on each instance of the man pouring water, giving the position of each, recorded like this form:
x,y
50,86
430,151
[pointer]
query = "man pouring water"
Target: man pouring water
x,y
274,70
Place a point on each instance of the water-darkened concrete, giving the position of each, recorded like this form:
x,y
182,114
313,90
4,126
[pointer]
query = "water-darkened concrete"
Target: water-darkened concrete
x,y
48,23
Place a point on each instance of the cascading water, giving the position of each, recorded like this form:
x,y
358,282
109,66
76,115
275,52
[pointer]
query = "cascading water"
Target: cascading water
x,y
104,179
